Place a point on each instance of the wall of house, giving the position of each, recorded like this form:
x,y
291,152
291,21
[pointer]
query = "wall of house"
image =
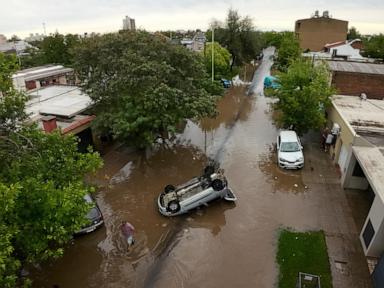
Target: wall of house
x,y
314,33
346,136
351,181
354,84
376,216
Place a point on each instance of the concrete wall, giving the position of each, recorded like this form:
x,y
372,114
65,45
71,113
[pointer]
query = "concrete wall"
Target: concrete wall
x,y
348,83
346,136
314,33
353,182
376,215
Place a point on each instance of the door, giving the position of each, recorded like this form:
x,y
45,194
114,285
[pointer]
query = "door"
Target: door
x,y
343,158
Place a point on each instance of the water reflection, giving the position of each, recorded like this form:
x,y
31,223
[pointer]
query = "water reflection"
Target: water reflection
x,y
281,180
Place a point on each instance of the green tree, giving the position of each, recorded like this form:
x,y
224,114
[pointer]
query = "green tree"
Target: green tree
x,y
304,95
8,65
53,49
288,51
142,85
374,46
239,36
222,59
41,188
353,34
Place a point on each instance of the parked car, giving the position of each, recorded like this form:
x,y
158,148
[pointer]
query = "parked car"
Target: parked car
x,y
226,83
289,150
94,217
194,193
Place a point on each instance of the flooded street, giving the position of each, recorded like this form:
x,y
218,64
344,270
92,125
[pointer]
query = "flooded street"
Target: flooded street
x,y
222,245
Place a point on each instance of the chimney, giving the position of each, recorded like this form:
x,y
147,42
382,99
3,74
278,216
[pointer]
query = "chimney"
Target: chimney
x,y
49,123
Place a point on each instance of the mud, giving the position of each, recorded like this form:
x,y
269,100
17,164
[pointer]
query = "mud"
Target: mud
x,y
222,245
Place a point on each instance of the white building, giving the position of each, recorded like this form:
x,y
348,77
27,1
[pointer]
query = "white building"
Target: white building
x,y
129,23
359,152
36,77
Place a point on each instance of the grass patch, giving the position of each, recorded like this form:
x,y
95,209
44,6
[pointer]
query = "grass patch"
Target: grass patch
x,y
303,252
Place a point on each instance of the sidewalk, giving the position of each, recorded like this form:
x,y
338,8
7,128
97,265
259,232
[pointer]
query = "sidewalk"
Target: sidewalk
x,y
348,263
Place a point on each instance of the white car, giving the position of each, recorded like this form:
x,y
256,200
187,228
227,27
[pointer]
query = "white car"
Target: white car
x,y
289,150
194,193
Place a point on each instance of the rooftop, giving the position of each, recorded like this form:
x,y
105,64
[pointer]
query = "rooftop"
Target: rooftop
x,y
62,101
373,159
356,67
41,72
365,116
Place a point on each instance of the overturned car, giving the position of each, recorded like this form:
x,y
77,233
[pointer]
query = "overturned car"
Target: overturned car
x,y
194,193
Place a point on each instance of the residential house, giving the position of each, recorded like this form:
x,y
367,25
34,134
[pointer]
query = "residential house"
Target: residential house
x,y
37,77
356,78
359,152
315,32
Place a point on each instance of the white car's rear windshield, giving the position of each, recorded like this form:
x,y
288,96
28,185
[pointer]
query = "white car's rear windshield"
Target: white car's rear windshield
x,y
289,147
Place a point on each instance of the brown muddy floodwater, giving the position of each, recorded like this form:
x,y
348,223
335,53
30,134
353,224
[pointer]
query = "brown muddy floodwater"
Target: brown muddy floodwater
x,y
223,245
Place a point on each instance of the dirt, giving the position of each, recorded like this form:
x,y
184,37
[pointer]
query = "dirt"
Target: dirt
x,y
222,245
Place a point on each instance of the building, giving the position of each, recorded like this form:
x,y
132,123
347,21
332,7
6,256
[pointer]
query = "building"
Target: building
x,y
129,23
3,39
34,37
315,32
355,78
359,152
197,43
37,77
17,47
65,108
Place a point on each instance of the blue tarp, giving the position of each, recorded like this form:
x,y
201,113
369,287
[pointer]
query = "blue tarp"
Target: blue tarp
x,y
271,82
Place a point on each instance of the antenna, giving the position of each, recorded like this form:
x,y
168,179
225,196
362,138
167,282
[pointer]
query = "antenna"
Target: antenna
x,y
45,31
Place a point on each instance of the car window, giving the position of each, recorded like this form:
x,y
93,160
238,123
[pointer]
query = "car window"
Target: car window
x,y
290,147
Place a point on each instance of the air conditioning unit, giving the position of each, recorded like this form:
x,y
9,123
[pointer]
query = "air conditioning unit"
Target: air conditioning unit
x,y
335,129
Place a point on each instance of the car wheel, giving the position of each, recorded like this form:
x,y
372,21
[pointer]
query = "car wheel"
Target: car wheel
x,y
173,206
169,188
217,185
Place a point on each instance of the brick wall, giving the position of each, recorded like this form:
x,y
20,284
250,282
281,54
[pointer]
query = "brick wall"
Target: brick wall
x,y
354,84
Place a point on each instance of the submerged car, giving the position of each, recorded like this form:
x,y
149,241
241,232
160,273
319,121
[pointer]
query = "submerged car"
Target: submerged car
x,y
289,150
94,216
194,193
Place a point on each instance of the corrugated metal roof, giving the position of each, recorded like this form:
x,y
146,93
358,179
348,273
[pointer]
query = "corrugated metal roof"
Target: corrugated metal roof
x,y
356,67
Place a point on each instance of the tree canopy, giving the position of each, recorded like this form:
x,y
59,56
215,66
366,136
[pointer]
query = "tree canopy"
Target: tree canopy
x,y
288,50
304,95
53,49
41,187
142,85
222,59
374,46
239,36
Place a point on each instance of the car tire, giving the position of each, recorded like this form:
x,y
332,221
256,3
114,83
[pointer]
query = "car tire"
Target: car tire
x,y
217,185
169,188
173,206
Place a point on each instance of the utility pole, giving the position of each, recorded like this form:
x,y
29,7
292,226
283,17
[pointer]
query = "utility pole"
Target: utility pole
x,y
45,31
213,53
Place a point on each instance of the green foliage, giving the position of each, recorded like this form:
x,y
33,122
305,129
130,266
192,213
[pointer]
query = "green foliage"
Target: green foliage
x,y
302,252
41,189
353,34
142,85
53,49
222,59
273,38
239,36
374,46
304,95
288,51
8,65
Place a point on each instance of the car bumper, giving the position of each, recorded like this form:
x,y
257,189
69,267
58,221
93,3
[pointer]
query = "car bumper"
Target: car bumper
x,y
287,165
89,229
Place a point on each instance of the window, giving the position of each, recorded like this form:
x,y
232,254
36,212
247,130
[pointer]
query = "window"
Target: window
x,y
368,233
357,171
